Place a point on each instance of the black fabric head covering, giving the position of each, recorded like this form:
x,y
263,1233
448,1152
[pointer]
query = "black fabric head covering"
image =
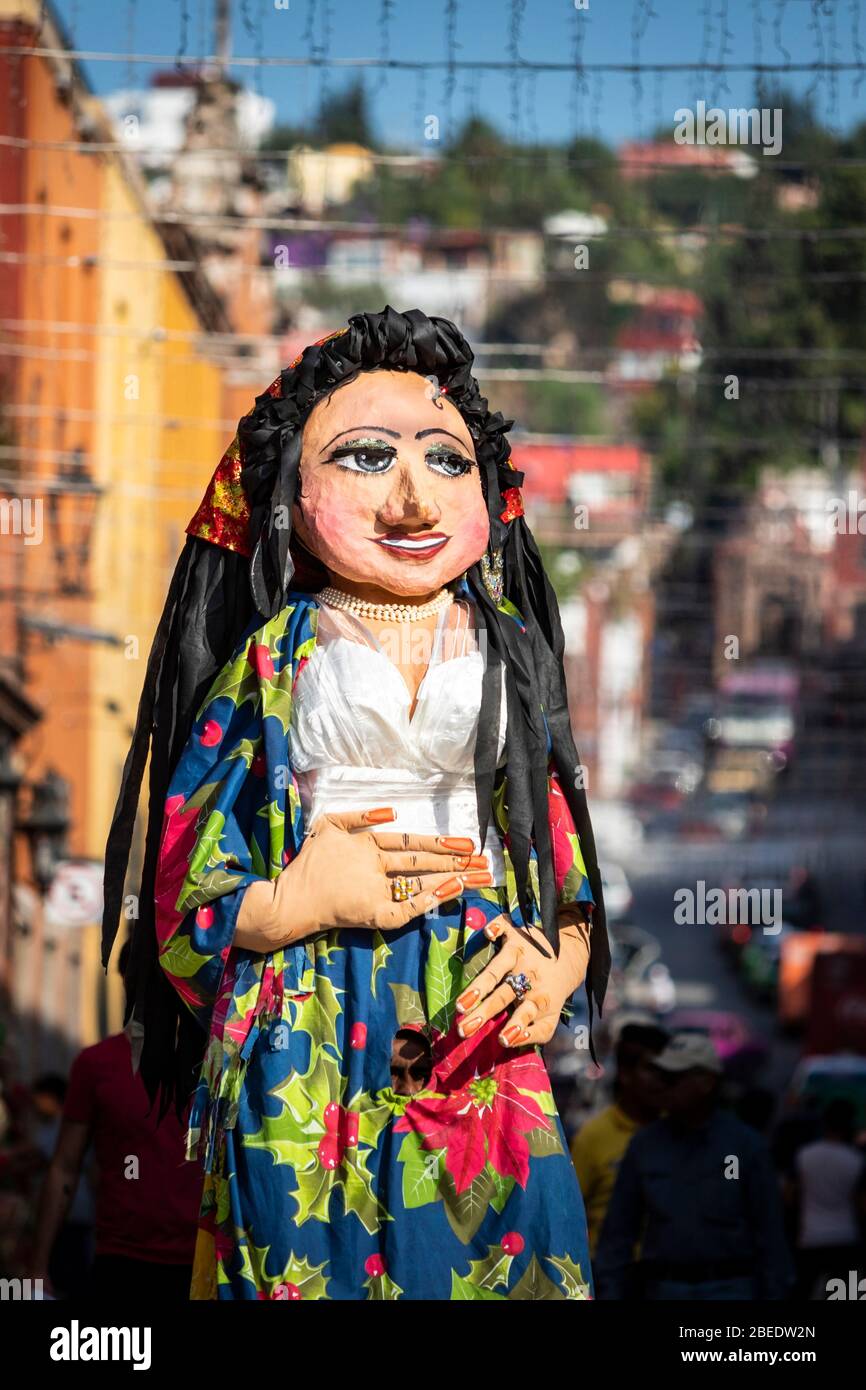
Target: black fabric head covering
x,y
216,591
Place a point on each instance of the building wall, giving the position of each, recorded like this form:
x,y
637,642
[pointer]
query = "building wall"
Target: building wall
x,y
146,413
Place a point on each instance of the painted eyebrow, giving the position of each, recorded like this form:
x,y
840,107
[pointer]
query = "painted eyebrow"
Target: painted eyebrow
x,y
381,428
394,434
422,434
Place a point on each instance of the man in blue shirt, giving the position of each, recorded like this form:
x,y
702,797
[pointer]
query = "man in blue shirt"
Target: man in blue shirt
x,y
698,1191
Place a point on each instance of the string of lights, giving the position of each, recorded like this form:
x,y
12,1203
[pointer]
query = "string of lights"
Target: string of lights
x,y
556,157
217,62
290,224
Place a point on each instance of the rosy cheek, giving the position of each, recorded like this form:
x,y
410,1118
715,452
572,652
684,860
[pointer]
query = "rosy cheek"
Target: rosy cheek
x,y
470,531
336,523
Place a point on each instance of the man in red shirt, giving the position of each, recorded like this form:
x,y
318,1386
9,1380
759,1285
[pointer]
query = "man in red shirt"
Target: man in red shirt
x,y
147,1194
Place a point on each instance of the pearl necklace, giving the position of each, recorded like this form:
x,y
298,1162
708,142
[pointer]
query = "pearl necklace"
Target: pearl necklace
x,y
394,612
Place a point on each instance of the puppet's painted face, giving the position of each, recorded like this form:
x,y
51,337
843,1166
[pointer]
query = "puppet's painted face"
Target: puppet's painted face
x,y
390,490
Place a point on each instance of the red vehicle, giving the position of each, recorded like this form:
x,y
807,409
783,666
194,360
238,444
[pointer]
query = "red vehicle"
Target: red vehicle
x,y
837,1003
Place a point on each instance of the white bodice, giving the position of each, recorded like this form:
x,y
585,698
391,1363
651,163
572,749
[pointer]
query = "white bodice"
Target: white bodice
x,y
354,744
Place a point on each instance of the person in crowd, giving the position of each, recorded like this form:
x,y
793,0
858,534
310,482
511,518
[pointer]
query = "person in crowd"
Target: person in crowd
x,y
828,1189
697,1188
72,1253
598,1147
147,1194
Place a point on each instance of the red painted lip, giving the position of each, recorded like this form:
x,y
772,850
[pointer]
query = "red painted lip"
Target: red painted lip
x,y
411,536
421,553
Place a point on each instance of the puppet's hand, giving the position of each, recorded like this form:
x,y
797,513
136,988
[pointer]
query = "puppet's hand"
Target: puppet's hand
x,y
552,980
343,875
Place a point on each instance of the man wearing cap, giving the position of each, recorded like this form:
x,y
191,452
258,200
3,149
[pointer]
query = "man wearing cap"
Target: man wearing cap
x,y
698,1190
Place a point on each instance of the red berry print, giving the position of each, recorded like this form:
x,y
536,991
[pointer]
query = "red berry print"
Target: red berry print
x,y
512,1243
330,1152
204,918
332,1117
286,1291
259,658
358,1036
374,1266
258,766
349,1128
210,734
475,918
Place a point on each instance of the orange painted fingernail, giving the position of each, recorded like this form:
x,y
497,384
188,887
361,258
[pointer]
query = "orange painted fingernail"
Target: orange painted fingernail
x,y
494,930
468,1026
510,1034
450,889
478,878
475,861
457,842
467,1000
380,814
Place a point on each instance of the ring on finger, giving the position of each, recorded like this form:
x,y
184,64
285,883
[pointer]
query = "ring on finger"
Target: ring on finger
x,y
405,886
520,983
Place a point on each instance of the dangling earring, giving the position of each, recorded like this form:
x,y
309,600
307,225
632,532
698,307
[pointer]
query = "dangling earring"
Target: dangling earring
x,y
493,573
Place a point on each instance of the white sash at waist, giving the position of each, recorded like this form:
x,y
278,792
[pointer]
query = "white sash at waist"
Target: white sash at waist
x,y
439,803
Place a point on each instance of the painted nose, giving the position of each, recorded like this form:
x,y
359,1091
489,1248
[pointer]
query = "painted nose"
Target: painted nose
x,y
409,503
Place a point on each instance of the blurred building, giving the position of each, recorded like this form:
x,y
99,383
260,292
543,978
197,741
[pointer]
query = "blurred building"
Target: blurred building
x,y
660,336
588,503
320,178
114,412
460,273
646,159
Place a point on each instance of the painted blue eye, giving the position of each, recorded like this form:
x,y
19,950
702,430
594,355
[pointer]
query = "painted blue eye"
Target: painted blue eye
x,y
452,465
360,460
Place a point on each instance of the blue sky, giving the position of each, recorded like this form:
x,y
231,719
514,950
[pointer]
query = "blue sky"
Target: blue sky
x,y
613,107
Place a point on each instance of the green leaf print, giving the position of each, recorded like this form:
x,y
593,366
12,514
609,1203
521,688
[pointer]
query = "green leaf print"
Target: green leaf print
x,y
374,1115
535,1285
382,1289
238,682
180,959
325,945
211,885
247,749
573,1282
443,975
492,1271
286,1142
407,1002
277,701
543,1143
462,1289
358,1194
502,1189
257,859
421,1172
308,1279
313,1194
275,816
207,849
466,1210
318,1015
381,952
298,1279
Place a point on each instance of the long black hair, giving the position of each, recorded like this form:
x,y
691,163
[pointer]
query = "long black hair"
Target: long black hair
x,y
216,591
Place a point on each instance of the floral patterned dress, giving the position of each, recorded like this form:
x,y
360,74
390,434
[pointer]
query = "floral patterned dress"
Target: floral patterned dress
x,y
320,1180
